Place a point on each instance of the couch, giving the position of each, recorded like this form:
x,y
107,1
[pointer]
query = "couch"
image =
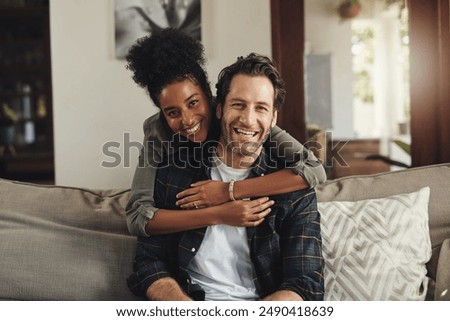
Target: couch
x,y
65,243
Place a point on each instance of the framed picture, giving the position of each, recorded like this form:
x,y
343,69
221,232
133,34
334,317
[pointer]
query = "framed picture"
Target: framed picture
x,y
138,18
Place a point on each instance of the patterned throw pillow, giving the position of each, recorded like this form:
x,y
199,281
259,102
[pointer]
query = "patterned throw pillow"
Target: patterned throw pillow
x,y
376,249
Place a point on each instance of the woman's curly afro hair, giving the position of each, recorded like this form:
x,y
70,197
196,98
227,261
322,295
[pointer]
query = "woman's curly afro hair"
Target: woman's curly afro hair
x,y
164,57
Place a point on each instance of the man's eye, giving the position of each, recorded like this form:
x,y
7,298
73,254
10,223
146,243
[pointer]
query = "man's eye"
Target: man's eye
x,y
261,108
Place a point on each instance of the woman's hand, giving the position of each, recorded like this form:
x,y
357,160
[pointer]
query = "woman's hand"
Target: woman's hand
x,y
203,194
244,213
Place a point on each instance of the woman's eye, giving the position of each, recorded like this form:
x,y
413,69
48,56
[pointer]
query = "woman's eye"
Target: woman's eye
x,y
173,113
193,103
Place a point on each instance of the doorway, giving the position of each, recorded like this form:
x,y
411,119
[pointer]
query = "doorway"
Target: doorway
x,y
357,84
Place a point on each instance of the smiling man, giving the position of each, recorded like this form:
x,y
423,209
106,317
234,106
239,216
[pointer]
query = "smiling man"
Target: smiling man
x,y
280,259
246,115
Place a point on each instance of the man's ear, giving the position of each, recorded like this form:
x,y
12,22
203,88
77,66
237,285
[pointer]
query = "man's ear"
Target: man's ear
x,y
219,111
274,119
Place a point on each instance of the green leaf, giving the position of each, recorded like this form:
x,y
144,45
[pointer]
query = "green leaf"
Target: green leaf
x,y
405,146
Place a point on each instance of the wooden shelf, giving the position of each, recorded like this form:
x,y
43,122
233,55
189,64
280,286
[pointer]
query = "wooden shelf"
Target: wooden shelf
x,y
26,127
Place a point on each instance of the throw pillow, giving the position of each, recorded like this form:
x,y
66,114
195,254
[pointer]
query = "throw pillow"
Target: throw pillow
x,y
376,249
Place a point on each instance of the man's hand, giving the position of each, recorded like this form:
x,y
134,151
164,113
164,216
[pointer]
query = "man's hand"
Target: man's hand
x,y
166,289
283,295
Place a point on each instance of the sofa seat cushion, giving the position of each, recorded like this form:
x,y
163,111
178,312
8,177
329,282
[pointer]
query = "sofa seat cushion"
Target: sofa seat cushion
x,y
62,243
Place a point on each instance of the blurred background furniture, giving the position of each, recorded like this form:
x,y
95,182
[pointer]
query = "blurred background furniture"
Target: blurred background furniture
x,y
26,123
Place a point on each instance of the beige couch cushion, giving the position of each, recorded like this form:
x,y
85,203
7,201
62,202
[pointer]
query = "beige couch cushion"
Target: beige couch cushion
x,y
60,243
437,177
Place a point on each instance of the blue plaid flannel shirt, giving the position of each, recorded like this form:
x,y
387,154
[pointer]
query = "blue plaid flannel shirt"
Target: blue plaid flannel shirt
x,y
286,249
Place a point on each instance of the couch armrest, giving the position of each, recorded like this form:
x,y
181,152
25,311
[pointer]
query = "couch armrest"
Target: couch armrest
x,y
443,273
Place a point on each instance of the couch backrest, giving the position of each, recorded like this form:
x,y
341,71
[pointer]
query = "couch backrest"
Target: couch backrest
x,y
62,243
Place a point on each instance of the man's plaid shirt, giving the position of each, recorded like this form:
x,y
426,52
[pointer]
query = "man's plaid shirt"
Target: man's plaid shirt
x,y
286,249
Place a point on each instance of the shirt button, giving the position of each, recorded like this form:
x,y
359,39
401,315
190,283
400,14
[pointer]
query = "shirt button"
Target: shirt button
x,y
193,249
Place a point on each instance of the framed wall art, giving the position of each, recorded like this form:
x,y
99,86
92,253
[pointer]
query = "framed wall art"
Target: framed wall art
x,y
138,18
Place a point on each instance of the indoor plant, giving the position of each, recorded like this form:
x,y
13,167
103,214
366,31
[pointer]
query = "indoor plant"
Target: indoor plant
x,y
349,9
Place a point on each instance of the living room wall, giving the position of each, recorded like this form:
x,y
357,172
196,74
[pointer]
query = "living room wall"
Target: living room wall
x,y
95,100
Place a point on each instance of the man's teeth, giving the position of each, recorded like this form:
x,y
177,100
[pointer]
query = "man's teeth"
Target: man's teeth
x,y
245,132
193,129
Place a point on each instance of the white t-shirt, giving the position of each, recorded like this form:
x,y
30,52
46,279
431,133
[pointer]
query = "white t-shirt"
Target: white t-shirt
x,y
222,265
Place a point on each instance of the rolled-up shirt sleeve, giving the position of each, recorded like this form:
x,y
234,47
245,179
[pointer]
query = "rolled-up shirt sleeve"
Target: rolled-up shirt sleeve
x,y
296,156
140,207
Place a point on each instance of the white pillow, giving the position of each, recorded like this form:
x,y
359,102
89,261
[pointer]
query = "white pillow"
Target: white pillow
x,y
376,249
